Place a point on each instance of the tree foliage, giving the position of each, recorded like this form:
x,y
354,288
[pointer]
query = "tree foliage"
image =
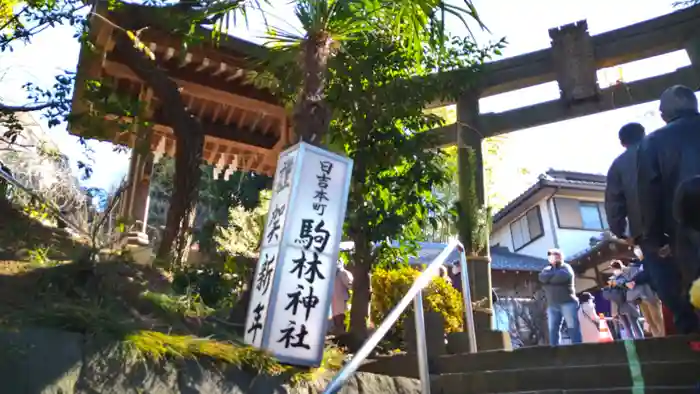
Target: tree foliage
x,y
7,13
242,235
407,24
327,25
378,122
496,165
185,20
685,3
217,197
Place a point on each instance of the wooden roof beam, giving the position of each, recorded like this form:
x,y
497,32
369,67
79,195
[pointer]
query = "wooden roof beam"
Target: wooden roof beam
x,y
217,65
203,92
199,54
233,133
186,69
257,142
218,143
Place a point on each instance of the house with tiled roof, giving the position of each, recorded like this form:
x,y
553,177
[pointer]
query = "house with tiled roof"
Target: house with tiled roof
x,y
563,210
511,273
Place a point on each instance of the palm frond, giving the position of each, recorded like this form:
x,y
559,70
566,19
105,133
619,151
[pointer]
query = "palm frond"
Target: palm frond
x,y
462,14
225,14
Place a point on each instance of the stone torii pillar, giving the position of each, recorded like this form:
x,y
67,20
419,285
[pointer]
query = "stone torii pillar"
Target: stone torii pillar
x,y
472,185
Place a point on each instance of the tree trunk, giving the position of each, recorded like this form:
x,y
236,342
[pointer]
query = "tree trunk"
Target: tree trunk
x,y
361,295
177,236
189,153
311,114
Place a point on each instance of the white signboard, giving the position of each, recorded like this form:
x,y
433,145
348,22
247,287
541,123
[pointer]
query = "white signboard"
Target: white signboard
x,y
288,311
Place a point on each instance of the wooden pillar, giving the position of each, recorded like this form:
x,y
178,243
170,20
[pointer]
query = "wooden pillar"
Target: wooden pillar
x,y
471,186
136,198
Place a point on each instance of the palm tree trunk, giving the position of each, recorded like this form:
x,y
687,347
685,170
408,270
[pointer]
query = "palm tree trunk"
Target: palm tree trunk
x,y
311,114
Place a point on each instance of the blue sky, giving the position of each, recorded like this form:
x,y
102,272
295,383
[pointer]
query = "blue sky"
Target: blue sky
x,y
585,144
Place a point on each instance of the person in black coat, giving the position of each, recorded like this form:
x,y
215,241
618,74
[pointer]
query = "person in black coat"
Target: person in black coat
x,y
668,157
621,200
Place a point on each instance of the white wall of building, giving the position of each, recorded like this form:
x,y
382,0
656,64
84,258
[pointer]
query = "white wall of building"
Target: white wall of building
x,y
573,241
535,248
570,241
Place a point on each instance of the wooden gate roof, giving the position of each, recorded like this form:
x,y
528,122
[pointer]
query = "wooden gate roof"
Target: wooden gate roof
x,y
246,126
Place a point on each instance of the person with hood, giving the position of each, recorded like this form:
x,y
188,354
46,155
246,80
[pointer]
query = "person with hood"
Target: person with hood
x,y
588,318
668,157
562,305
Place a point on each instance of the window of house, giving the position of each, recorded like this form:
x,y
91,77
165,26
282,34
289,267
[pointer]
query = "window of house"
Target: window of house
x,y
582,215
527,228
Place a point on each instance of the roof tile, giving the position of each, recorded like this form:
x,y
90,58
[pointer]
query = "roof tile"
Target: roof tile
x,y
501,258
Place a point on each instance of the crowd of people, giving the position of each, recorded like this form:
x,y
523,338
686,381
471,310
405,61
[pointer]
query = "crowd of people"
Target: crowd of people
x,y
651,201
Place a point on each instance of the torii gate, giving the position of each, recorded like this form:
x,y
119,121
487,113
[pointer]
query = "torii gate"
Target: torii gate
x,y
572,61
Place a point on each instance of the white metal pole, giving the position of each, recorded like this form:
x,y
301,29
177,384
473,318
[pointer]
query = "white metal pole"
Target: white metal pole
x,y
421,344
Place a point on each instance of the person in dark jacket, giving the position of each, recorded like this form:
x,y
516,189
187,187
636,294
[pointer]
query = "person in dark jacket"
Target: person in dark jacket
x,y
621,200
685,204
627,313
666,158
562,304
640,291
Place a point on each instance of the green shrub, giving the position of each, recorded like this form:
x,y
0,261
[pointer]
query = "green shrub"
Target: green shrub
x,y
390,285
211,285
219,284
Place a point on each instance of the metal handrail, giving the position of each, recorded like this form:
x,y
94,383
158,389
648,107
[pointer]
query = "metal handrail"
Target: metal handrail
x,y
415,294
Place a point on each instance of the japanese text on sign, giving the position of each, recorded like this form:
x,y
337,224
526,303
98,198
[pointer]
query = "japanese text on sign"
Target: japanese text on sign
x,y
295,273
263,280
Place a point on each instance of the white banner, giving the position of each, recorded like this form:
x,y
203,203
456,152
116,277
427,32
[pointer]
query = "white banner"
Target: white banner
x,y
288,311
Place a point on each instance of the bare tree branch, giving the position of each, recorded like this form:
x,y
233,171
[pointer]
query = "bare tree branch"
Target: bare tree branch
x,y
527,316
24,108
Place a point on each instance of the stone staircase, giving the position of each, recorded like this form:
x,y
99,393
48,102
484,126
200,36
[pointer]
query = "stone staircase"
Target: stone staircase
x,y
665,365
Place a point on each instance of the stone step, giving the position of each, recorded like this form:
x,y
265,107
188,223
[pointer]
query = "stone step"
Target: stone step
x,y
653,349
619,390
674,348
584,378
